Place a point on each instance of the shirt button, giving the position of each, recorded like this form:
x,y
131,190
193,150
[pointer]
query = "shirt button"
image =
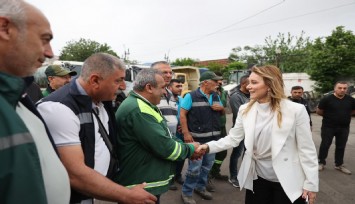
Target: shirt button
x,y
285,159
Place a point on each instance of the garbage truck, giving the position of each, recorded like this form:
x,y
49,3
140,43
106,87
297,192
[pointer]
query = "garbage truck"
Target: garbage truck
x,y
189,76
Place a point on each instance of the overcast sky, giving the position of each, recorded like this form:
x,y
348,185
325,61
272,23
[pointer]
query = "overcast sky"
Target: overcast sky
x,y
199,29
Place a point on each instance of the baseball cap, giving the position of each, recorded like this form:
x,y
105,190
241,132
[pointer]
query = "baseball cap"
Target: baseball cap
x,y
208,75
57,70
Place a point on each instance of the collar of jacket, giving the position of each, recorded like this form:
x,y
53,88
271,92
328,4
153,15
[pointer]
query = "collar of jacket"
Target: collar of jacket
x,y
82,99
49,89
12,88
134,94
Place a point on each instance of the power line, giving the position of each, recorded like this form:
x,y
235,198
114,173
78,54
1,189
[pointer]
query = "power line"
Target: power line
x,y
242,28
266,23
256,25
233,24
292,17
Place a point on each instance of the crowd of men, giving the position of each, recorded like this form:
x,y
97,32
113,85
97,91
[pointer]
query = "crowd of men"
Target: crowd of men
x,y
74,147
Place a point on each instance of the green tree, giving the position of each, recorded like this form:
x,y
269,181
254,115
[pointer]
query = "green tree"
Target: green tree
x,y
184,62
333,59
215,67
248,55
293,53
82,49
292,56
233,66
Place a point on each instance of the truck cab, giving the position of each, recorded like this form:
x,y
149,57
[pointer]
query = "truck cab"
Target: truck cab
x,y
189,75
234,80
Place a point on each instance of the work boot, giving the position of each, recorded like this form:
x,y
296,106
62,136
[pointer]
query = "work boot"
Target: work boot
x,y
187,199
210,186
204,194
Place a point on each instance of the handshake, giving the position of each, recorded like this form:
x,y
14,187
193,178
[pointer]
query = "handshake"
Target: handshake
x,y
200,150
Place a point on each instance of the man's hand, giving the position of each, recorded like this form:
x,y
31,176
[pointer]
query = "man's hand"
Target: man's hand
x,y
197,155
310,195
217,107
139,196
179,129
188,138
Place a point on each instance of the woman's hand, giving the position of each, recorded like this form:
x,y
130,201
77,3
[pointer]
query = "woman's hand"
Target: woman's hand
x,y
202,148
311,196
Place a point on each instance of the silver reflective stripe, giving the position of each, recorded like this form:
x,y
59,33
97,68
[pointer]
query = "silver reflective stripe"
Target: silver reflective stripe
x,y
176,153
206,134
85,118
199,104
154,184
14,140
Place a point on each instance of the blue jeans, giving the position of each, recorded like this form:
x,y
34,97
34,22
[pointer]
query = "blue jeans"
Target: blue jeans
x,y
233,161
197,174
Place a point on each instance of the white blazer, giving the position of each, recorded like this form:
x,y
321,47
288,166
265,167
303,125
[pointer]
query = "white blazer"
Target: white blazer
x,y
294,156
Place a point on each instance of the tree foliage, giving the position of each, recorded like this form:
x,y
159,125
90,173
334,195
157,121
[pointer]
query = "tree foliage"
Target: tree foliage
x,y
215,67
333,59
292,57
293,53
326,60
184,62
233,66
82,49
248,55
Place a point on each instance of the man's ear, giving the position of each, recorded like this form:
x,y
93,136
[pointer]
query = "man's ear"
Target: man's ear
x,y
148,87
94,80
4,28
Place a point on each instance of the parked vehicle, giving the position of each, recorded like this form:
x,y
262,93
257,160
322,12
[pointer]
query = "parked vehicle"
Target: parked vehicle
x,y
234,80
131,73
189,75
41,78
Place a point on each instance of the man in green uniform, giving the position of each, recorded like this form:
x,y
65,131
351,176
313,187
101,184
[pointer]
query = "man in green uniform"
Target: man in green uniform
x,y
147,150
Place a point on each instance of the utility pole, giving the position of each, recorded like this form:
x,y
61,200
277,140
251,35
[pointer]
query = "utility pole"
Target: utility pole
x,y
126,55
278,57
166,57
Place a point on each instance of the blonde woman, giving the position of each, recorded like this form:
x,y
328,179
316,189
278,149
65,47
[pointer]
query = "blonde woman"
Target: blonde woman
x,y
280,164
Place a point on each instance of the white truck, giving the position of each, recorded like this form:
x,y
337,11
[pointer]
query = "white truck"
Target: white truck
x,y
234,80
297,79
131,73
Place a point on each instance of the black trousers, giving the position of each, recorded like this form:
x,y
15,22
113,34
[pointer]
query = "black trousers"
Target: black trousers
x,y
158,199
341,137
267,192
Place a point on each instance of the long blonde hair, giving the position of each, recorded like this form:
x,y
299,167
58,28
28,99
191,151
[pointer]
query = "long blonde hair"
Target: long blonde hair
x,y
273,79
